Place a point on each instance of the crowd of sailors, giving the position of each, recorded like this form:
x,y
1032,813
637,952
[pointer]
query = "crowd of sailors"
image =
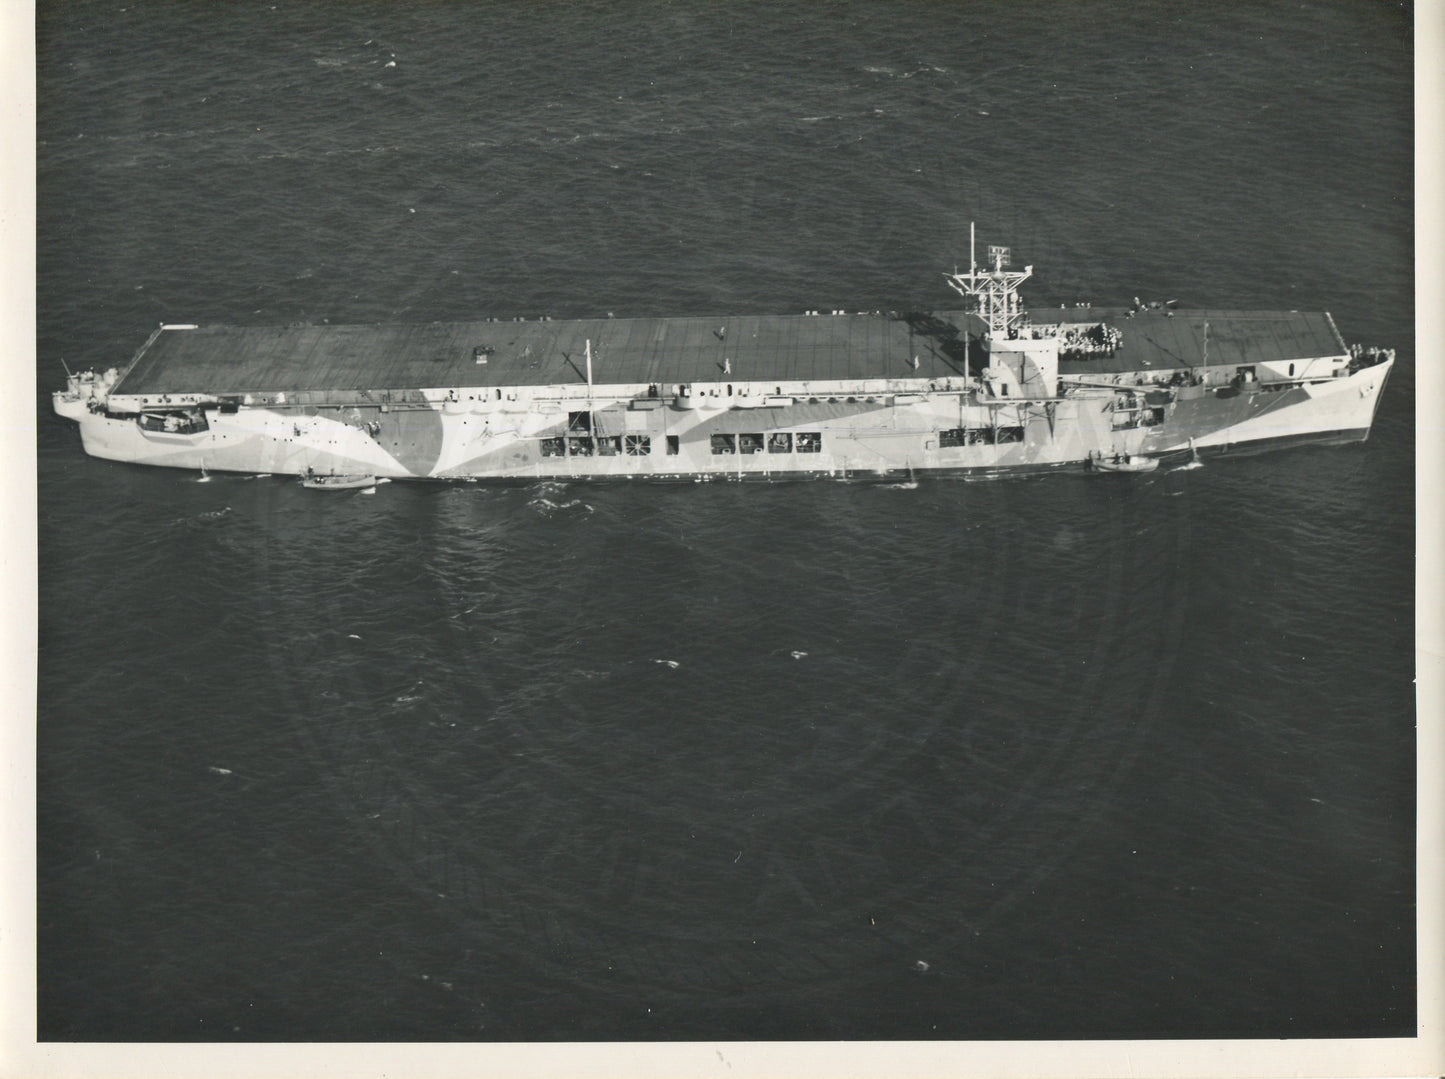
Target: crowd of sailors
x,y
1100,339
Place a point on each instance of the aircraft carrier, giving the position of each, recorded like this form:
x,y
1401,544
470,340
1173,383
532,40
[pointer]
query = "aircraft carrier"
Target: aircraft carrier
x,y
988,390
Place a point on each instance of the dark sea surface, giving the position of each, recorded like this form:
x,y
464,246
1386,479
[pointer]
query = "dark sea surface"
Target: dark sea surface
x,y
1058,758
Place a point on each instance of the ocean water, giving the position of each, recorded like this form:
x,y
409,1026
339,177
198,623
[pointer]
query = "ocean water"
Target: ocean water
x,y
1071,757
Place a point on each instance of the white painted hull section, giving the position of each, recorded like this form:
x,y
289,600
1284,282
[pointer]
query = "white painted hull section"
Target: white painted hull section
x,y
1339,405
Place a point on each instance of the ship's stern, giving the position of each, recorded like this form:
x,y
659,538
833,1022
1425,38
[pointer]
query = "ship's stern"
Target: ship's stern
x,y
84,394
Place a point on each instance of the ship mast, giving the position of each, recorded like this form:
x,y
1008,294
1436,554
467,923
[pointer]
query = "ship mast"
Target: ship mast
x,y
995,290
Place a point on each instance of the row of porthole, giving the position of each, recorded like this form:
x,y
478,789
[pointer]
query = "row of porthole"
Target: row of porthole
x,y
871,399
852,400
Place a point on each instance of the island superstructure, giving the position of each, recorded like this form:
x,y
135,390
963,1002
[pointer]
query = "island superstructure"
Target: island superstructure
x,y
989,390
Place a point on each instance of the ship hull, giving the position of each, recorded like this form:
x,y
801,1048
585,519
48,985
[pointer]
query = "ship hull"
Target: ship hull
x,y
911,431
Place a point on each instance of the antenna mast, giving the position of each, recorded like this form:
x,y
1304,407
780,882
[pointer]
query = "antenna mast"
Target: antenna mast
x,y
995,290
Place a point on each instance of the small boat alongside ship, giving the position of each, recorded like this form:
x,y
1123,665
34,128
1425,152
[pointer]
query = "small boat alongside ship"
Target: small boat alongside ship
x,y
1124,462
331,481
990,390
